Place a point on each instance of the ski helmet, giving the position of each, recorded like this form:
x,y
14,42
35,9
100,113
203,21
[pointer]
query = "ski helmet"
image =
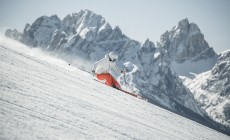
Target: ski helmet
x,y
113,56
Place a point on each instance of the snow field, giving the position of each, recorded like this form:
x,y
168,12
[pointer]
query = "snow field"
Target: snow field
x,y
41,100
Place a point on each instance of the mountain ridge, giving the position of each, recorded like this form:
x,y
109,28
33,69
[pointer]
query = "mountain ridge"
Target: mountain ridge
x,y
211,89
81,40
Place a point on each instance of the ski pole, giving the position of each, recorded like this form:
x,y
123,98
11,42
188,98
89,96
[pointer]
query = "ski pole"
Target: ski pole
x,y
125,79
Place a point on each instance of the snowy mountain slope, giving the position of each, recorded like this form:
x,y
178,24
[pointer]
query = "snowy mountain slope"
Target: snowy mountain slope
x,y
41,100
212,89
152,71
85,37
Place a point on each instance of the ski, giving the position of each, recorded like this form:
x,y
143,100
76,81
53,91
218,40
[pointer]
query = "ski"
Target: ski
x,y
132,94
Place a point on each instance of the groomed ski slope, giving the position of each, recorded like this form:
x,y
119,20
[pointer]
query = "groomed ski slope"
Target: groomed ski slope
x,y
42,100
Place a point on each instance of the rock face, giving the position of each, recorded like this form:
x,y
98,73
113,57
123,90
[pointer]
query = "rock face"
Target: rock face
x,y
186,50
85,37
212,89
185,42
40,32
221,72
14,34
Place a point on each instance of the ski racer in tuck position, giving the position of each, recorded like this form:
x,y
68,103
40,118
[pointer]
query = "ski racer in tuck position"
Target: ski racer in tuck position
x,y
101,69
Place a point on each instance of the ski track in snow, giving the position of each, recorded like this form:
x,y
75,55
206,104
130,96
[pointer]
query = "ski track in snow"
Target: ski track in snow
x,y
40,100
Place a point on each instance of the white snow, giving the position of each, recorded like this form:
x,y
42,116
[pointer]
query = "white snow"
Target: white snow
x,y
210,101
41,100
156,55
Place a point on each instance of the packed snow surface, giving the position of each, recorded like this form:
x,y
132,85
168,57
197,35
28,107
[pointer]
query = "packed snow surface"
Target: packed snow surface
x,y
52,100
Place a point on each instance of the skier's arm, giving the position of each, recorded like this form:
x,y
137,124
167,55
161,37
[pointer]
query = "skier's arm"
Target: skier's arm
x,y
94,68
116,69
100,63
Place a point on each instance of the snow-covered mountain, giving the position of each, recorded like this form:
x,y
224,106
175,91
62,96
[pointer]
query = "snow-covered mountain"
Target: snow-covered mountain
x,y
186,50
152,71
212,89
52,100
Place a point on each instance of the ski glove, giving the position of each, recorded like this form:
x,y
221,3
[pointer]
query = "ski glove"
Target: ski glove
x,y
93,72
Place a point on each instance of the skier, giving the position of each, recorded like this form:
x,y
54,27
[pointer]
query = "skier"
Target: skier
x,y
101,69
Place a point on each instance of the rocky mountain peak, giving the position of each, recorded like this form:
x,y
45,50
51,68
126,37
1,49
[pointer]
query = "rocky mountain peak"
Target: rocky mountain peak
x,y
117,33
87,23
14,34
212,89
186,28
185,42
225,56
46,21
183,24
40,32
148,46
220,75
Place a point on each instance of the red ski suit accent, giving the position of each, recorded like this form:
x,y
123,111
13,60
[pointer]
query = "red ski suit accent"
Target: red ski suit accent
x,y
110,81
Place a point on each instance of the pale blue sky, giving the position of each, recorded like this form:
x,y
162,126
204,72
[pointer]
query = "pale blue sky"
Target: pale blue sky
x,y
138,19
